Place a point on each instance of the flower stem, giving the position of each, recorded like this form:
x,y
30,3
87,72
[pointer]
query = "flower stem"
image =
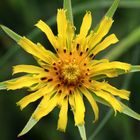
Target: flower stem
x,y
67,6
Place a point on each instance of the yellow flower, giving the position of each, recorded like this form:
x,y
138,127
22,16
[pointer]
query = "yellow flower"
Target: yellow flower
x,y
72,73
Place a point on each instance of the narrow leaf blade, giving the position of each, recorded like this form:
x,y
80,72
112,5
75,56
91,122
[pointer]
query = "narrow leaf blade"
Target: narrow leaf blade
x,y
126,110
112,9
130,112
30,124
82,131
11,33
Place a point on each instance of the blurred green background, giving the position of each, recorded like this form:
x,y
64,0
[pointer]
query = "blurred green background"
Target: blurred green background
x,y
20,16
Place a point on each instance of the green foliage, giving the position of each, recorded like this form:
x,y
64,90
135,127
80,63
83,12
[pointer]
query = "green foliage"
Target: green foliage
x,y
20,17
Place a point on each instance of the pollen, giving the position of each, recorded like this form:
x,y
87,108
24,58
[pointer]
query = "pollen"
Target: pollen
x,y
71,72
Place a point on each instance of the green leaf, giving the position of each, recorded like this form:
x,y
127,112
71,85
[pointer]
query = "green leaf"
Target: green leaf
x,y
126,110
11,33
135,68
82,131
67,6
112,9
130,112
30,124
2,86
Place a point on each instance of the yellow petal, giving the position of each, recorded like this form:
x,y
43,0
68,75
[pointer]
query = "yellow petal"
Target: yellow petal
x,y
24,81
103,29
27,69
61,23
86,24
35,96
47,30
115,65
124,94
111,39
110,99
72,102
63,116
79,109
33,49
91,100
45,110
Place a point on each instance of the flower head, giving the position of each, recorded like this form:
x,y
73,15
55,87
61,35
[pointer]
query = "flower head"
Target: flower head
x,y
71,73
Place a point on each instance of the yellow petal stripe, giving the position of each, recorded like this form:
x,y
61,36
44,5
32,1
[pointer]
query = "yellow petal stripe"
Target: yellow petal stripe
x,y
79,109
91,100
33,49
27,69
124,94
111,39
24,81
86,24
72,102
61,23
47,30
110,99
45,110
34,96
110,65
103,29
63,116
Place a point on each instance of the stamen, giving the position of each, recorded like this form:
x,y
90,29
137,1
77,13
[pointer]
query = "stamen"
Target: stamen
x,y
87,49
55,68
56,73
60,91
49,80
90,80
46,70
70,92
91,55
64,50
77,46
43,78
54,63
85,64
81,53
70,53
58,85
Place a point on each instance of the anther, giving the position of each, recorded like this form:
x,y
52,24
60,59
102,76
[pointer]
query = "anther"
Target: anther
x,y
55,68
91,55
54,63
86,74
85,64
70,53
90,80
58,85
87,49
56,73
49,80
77,46
70,92
43,78
64,50
87,69
80,85
57,50
46,70
60,91
81,53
